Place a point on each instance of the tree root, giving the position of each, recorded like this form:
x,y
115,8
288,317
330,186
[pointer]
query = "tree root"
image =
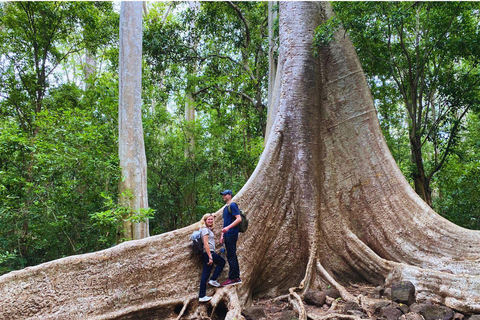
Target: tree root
x,y
333,316
185,305
230,296
297,303
295,298
341,289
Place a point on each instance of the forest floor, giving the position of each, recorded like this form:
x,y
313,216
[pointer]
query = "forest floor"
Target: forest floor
x,y
278,309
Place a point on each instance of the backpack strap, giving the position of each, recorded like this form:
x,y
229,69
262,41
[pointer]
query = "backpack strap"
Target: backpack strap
x,y
230,209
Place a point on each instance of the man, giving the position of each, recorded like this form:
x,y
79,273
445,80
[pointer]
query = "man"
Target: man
x,y
231,219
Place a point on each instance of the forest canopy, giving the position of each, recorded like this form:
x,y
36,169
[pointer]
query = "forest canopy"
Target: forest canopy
x,y
59,166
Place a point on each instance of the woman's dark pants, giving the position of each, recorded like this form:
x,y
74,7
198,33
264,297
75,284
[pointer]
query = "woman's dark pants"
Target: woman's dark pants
x,y
207,270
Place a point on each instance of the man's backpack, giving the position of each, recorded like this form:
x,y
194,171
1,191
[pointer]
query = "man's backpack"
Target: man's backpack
x,y
197,243
243,225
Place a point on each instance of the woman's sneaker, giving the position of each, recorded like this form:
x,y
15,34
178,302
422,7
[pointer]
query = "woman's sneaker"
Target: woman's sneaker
x,y
214,283
205,299
230,282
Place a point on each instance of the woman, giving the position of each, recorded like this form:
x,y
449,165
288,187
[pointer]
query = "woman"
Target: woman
x,y
209,258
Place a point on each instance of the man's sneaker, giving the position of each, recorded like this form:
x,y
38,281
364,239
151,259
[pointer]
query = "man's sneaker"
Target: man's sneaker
x,y
214,283
205,299
230,282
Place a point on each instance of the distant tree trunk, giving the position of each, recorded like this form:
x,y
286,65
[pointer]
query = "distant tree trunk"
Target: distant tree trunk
x,y
190,191
131,146
420,179
327,206
272,65
90,67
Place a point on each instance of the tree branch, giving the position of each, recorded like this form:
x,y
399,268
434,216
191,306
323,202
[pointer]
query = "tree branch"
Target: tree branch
x,y
240,15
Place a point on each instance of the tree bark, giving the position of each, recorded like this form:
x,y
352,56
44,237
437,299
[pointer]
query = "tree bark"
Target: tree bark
x,y
326,204
131,147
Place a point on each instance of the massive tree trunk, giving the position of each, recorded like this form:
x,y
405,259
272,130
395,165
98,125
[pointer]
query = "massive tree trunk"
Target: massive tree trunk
x,y
131,147
327,204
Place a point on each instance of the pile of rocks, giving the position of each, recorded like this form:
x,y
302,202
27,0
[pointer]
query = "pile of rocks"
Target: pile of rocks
x,y
395,303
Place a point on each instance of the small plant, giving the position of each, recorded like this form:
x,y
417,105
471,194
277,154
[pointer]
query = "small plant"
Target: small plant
x,y
109,220
325,33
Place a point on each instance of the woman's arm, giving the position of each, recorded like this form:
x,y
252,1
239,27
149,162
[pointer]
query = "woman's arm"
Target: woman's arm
x,y
207,249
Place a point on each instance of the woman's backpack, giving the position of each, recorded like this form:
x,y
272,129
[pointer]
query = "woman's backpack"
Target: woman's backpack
x,y
197,243
243,225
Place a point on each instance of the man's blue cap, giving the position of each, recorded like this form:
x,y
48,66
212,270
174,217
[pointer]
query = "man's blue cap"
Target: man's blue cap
x,y
228,191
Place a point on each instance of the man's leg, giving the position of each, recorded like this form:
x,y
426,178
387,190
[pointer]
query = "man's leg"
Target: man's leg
x,y
231,247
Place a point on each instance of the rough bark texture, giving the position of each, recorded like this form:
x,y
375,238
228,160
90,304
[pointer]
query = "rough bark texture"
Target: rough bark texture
x,y
131,146
326,203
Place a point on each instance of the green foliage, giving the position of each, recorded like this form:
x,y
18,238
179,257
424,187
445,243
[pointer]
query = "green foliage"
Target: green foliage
x,y
110,220
209,54
325,33
458,190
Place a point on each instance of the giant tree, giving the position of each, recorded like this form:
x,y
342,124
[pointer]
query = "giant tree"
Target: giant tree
x,y
327,205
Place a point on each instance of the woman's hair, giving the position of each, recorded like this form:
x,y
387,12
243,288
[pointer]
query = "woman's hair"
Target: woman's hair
x,y
204,219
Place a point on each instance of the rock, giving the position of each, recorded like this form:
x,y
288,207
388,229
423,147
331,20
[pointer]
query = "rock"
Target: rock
x,y
417,307
275,309
434,312
315,298
288,315
411,316
390,312
377,306
350,305
475,317
405,309
379,292
403,292
333,293
388,293
458,316
254,313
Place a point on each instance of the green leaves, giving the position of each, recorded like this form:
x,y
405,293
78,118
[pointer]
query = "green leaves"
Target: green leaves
x,y
325,33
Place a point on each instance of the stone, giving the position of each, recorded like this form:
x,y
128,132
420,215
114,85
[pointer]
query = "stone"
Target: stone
x,y
377,306
388,293
435,312
315,298
411,316
254,313
350,305
333,293
458,316
405,309
390,312
475,317
379,292
288,315
403,292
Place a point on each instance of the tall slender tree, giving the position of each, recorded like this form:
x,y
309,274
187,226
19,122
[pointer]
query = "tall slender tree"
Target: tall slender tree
x,y
131,147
